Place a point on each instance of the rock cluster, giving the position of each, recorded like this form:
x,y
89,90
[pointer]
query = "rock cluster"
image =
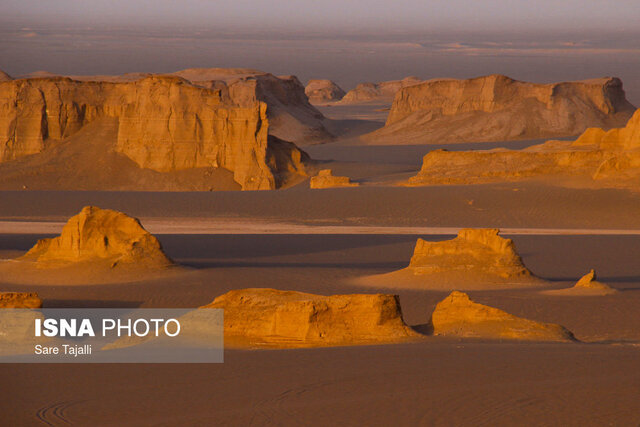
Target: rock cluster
x,y
458,316
100,235
323,91
20,300
498,108
274,318
381,92
325,179
607,158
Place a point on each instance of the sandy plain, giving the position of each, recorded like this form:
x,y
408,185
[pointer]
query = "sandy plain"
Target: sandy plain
x,y
318,241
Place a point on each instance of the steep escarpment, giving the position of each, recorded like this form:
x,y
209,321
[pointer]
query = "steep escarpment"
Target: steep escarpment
x,y
475,259
381,91
498,108
164,124
323,91
273,318
597,158
458,316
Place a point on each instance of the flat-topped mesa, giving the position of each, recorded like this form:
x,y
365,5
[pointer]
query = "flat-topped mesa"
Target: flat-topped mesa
x,y
100,235
498,108
325,179
165,124
323,91
381,92
472,251
606,158
288,319
458,316
20,300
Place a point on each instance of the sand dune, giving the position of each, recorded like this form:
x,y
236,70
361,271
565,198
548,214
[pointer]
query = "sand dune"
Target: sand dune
x,y
498,108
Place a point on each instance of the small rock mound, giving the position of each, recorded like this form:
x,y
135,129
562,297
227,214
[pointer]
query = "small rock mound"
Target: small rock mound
x,y
288,319
20,300
458,316
325,179
323,91
587,286
100,235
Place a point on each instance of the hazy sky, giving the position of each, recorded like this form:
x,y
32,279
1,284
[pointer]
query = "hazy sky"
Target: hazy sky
x,y
295,14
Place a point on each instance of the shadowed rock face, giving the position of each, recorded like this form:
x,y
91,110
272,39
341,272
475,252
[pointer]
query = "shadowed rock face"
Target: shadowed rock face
x,y
20,300
382,91
165,124
497,108
608,158
100,235
323,91
325,179
458,316
270,317
473,251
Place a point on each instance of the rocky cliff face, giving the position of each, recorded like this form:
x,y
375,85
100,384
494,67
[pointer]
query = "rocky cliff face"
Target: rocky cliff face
x,y
498,108
270,317
323,91
458,316
165,123
100,235
382,91
597,157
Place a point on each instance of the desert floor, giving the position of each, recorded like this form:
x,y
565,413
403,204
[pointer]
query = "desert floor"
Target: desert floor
x,y
319,241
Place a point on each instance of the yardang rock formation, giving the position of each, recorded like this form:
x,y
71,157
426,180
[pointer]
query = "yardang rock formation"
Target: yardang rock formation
x,y
498,108
20,300
475,259
162,123
377,92
287,319
586,286
103,237
323,91
325,179
458,316
597,158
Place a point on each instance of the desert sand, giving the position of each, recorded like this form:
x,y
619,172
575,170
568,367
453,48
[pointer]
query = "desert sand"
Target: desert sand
x,y
315,244
498,108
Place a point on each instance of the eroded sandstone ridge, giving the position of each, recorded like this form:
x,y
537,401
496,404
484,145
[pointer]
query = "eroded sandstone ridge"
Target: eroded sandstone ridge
x,y
597,157
587,286
475,259
163,123
325,179
101,236
498,108
20,300
458,316
382,91
274,318
323,91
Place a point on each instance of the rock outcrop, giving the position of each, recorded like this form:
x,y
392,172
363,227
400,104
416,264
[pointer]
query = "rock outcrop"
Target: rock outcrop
x,y
325,179
586,286
323,91
4,77
377,92
273,318
475,259
20,300
498,108
164,123
103,236
458,316
597,157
